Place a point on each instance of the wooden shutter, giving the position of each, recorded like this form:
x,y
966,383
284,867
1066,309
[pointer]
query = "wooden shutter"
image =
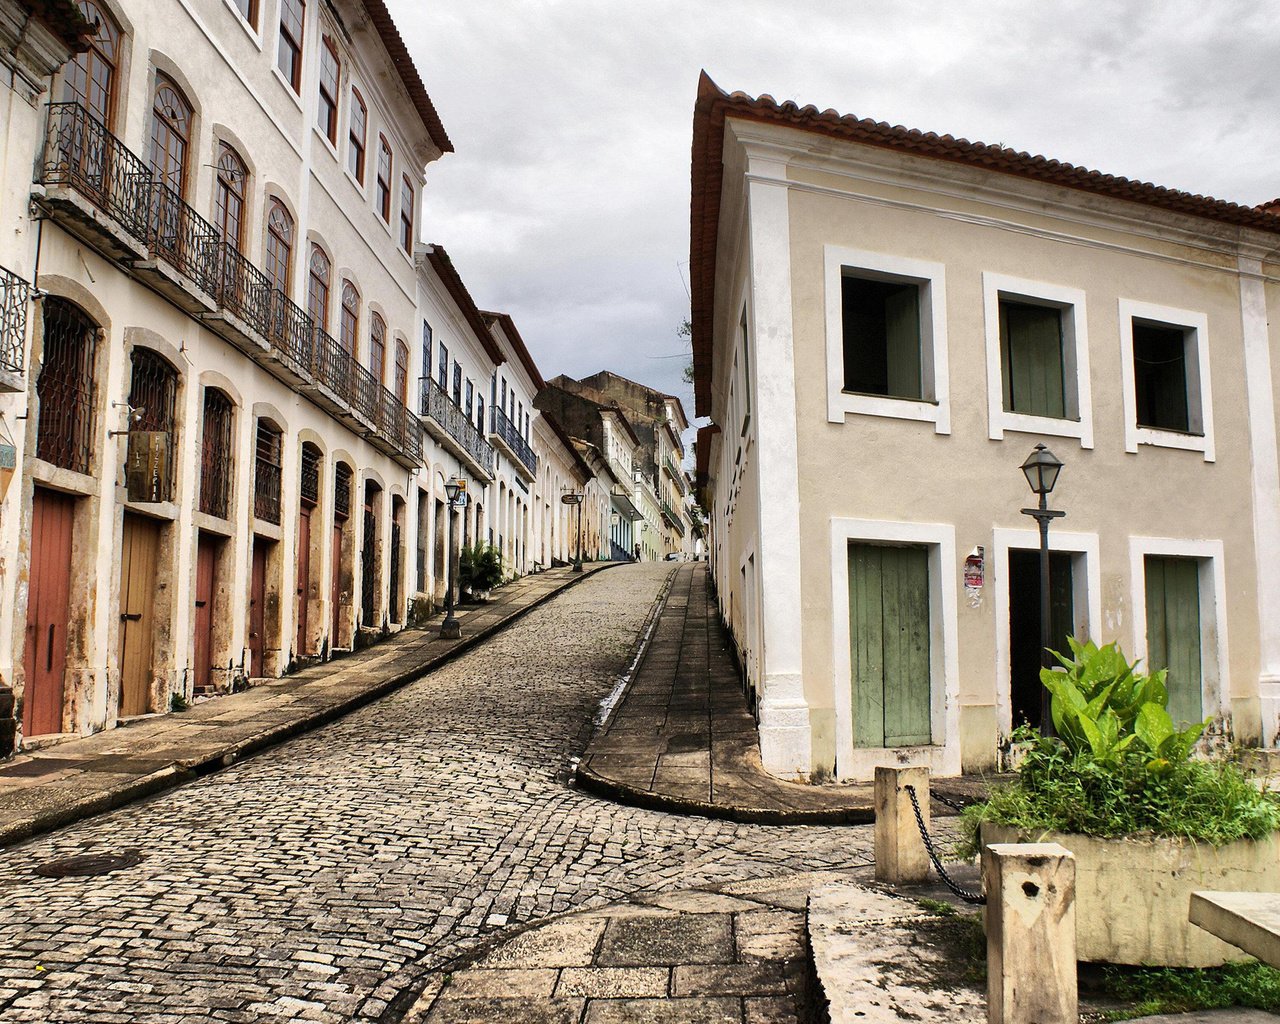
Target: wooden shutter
x,y
1173,632
889,645
902,342
1031,359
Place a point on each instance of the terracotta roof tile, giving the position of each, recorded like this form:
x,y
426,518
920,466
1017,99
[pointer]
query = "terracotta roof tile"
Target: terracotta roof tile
x,y
403,63
714,105
448,274
522,351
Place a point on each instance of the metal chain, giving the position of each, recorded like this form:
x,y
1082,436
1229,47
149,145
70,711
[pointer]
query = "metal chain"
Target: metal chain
x,y
955,805
947,880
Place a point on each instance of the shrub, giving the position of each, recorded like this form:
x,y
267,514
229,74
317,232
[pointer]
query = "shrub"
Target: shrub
x,y
480,568
1119,766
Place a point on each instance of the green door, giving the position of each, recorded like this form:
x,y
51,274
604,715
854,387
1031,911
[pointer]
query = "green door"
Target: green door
x,y
889,645
1173,631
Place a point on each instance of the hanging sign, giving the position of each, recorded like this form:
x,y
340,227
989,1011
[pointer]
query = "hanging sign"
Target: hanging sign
x,y
147,466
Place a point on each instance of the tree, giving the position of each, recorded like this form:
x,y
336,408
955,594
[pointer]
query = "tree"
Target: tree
x,y
685,331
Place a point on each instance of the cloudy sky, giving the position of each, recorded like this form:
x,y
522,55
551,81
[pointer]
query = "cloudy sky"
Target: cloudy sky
x,y
567,201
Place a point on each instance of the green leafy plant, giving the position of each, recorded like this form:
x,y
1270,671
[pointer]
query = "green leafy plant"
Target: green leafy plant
x,y
1120,766
1153,990
480,568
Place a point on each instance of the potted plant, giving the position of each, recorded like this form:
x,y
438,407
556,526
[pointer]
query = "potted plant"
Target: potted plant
x,y
479,570
1148,819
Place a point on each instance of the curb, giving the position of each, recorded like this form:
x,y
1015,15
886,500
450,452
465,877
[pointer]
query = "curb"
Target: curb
x,y
179,772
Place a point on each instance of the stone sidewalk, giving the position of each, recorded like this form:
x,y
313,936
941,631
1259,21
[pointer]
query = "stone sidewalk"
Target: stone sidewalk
x,y
683,738
45,789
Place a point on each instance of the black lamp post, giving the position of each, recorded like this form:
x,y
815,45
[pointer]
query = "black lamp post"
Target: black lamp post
x,y
1041,470
575,498
451,629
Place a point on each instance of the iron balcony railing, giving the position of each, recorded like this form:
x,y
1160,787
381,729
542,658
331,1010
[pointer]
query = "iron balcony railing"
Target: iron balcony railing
x,y
437,405
510,434
82,154
266,491
674,471
672,517
15,297
623,474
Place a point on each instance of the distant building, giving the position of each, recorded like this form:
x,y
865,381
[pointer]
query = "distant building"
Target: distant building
x,y
884,324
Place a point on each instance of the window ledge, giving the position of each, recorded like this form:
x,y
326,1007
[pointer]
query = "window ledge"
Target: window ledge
x,y
922,410
252,31
1158,438
286,85
1022,423
329,144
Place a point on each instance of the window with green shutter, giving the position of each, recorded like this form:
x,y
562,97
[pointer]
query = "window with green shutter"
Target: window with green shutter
x,y
889,639
881,321
1031,359
1173,632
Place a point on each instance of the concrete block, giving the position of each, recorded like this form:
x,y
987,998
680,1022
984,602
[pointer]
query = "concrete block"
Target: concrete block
x,y
900,854
1031,934
1248,920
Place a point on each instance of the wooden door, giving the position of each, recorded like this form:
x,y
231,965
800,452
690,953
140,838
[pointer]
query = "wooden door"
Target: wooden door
x,y
889,645
1026,691
48,611
1173,632
335,587
257,607
202,657
139,565
304,576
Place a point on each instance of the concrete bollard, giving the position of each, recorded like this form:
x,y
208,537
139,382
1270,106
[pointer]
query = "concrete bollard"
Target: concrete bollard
x,y
900,853
1031,933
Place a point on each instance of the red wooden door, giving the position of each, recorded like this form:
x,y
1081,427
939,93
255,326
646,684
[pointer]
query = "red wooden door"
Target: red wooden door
x,y
304,576
257,607
335,589
48,609
202,659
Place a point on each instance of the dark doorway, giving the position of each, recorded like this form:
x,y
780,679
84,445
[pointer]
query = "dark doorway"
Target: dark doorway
x,y
1024,626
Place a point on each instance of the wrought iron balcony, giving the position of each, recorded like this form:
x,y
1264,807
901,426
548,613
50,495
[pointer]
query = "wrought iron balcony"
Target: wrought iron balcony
x,y
674,472
623,474
147,220
453,428
672,517
508,436
15,296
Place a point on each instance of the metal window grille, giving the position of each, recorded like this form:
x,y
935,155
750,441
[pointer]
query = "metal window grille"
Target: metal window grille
x,y
15,295
216,458
341,491
65,387
266,476
310,484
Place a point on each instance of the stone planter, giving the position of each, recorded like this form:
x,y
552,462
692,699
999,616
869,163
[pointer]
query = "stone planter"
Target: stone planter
x,y
1133,895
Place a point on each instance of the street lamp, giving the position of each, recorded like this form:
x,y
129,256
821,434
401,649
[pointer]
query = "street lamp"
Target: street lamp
x,y
575,498
1041,470
454,489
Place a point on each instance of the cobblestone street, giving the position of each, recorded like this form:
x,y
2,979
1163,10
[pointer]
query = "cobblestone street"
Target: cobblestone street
x,y
316,881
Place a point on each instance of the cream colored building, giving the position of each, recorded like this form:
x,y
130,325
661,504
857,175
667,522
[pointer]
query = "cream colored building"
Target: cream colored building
x,y
885,323
215,448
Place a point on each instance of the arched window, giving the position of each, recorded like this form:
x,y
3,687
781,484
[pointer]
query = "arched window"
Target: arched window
x,y
378,347
216,459
232,182
170,135
318,288
66,386
356,135
402,372
153,396
279,259
90,79
349,328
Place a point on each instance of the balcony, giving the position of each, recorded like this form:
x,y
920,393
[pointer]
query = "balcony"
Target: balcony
x,y
104,194
625,479
673,471
672,517
454,430
516,448
15,296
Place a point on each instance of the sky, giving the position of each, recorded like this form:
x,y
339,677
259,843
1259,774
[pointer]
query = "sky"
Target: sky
x,y
566,202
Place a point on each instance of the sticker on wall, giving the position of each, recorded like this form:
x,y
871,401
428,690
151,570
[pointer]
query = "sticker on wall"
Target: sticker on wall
x,y
975,568
8,460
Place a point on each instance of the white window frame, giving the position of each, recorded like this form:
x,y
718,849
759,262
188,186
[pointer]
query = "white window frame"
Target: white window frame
x,y
1195,326
943,755
1075,358
1210,558
1086,598
935,407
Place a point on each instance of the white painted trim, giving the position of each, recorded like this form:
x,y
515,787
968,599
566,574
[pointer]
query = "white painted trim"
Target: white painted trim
x,y
943,755
1214,678
1086,597
786,738
1199,390
935,408
1075,340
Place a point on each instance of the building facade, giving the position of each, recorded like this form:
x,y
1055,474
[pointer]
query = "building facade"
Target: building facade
x,y
885,323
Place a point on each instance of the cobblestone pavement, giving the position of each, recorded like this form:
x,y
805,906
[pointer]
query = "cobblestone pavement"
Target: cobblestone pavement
x,y
321,878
